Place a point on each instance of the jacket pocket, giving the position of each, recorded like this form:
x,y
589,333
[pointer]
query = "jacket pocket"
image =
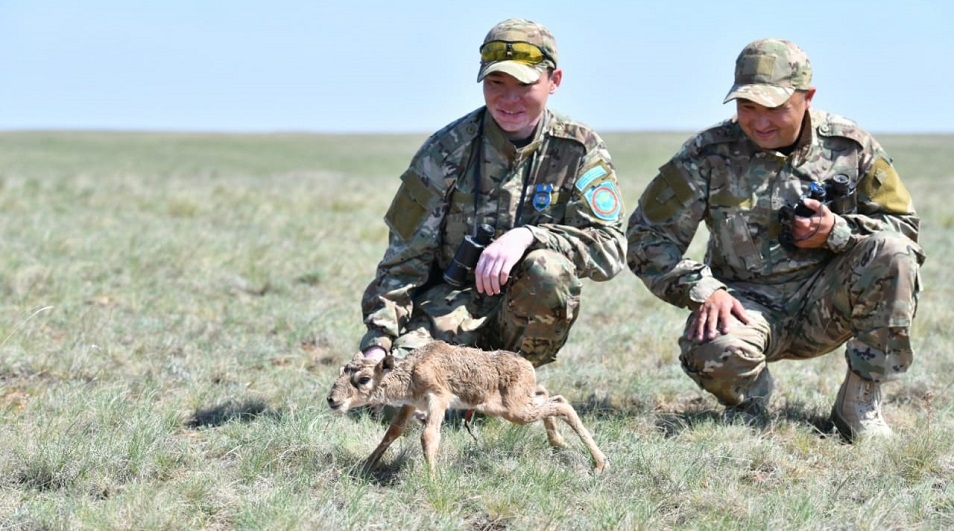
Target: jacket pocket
x,y
733,241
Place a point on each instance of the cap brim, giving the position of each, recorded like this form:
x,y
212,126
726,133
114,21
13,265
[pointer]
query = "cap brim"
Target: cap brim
x,y
765,95
522,72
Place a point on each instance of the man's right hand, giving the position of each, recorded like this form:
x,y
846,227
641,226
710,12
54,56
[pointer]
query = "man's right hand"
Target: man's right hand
x,y
811,232
375,353
714,317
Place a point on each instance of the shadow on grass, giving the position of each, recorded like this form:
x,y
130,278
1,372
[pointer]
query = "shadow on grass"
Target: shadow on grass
x,y
800,413
683,414
603,407
674,423
244,410
674,419
671,418
384,474
43,477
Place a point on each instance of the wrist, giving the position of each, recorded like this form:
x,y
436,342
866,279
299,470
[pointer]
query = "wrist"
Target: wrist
x,y
532,237
839,235
702,289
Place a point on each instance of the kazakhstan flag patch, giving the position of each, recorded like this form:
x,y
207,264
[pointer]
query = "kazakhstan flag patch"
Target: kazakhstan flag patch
x,y
604,201
600,192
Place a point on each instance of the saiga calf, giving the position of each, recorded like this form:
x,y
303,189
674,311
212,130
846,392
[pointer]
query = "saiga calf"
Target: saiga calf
x,y
438,377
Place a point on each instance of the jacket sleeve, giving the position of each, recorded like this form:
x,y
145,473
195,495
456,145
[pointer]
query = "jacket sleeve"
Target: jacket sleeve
x,y
414,219
591,233
882,203
661,229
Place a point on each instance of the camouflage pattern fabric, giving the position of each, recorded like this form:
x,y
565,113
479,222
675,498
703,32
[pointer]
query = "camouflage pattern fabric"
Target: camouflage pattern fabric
x,y
769,71
523,30
571,204
869,292
802,302
520,30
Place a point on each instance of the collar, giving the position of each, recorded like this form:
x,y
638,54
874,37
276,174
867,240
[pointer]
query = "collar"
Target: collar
x,y
806,139
499,141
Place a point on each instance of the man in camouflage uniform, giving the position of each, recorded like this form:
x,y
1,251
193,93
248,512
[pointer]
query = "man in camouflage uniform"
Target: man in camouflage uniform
x,y
546,186
778,284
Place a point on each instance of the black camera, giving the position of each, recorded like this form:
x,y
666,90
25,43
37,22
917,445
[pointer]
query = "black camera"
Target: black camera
x,y
836,193
467,255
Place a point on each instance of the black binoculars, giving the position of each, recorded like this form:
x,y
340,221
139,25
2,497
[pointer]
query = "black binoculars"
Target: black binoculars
x,y
467,255
836,193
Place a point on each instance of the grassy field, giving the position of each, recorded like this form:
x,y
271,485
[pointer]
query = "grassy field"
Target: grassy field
x,y
175,307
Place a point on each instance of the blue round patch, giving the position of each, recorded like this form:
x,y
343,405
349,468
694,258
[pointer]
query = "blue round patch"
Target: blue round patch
x,y
604,200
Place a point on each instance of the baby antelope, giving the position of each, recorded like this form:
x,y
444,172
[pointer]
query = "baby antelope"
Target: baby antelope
x,y
440,376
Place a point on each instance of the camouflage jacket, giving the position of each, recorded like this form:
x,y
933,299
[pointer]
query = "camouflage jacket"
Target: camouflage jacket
x,y
562,184
722,178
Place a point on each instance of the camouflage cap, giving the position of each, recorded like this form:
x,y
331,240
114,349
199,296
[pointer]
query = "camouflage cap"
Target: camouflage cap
x,y
516,30
769,71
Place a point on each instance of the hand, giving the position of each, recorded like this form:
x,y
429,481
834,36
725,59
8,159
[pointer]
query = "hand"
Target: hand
x,y
497,260
714,317
375,353
812,232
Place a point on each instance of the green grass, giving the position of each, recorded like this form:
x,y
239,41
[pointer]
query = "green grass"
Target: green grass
x,y
175,307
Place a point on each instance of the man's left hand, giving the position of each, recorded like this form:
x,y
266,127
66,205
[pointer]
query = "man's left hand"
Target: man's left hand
x,y
497,260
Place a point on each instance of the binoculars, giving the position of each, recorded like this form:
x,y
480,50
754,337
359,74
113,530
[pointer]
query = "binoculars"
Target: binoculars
x,y
467,255
837,194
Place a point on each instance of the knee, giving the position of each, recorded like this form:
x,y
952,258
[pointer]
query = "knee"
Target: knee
x,y
725,366
726,355
892,249
546,266
548,275
886,265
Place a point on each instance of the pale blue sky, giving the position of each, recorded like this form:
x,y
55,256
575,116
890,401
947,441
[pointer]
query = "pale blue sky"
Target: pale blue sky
x,y
377,66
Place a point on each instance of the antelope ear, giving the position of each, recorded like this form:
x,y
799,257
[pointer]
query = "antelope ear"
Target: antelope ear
x,y
387,363
358,356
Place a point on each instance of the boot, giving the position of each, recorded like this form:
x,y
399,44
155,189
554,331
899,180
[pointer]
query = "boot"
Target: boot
x,y
757,396
857,410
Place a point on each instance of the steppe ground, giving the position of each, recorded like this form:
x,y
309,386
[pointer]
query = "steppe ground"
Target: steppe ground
x,y
175,307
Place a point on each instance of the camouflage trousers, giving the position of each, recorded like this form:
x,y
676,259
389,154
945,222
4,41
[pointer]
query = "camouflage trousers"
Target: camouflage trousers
x,y
866,296
532,316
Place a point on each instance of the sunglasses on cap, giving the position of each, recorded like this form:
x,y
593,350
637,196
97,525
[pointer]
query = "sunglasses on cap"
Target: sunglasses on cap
x,y
522,52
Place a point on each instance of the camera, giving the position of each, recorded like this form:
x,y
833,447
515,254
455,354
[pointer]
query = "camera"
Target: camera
x,y
467,255
837,194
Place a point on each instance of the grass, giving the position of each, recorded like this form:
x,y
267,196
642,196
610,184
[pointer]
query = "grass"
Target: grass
x,y
175,307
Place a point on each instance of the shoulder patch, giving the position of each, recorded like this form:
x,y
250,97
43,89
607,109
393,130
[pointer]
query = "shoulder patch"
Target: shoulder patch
x,y
604,201
590,176
883,186
667,194
410,205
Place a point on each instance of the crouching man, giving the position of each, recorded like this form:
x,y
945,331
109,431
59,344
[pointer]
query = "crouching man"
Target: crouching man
x,y
812,244
539,186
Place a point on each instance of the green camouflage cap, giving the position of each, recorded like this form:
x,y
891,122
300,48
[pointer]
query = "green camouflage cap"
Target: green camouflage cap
x,y
518,30
769,71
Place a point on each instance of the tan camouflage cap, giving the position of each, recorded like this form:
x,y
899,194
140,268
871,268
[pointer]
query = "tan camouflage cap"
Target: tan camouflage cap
x,y
505,50
769,71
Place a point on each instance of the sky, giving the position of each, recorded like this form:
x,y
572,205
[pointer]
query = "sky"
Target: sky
x,y
358,66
